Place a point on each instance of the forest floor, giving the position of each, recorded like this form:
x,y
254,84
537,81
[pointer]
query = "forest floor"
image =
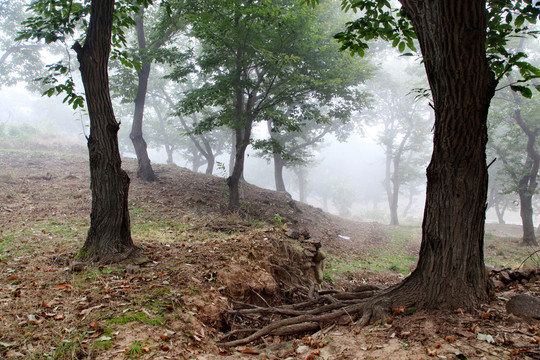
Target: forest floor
x,y
205,261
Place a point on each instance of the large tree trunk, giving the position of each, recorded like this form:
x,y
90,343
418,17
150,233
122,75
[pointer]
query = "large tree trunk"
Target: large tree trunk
x,y
450,273
109,237
145,170
278,172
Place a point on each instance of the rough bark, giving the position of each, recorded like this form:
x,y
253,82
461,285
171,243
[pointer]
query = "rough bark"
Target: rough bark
x,y
450,273
109,236
144,171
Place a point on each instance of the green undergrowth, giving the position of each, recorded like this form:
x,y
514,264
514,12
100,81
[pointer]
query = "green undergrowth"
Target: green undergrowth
x,y
398,253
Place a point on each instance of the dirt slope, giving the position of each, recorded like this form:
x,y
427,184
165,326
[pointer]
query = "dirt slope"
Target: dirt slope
x,y
204,261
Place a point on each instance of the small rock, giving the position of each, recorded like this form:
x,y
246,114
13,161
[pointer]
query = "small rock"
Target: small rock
x,y
302,349
524,306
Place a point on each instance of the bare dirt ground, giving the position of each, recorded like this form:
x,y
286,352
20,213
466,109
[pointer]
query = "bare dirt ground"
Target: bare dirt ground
x,y
204,262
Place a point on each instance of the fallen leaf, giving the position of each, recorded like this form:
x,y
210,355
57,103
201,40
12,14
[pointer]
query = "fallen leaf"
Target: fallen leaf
x,y
47,304
85,312
146,348
484,337
94,325
486,315
398,310
471,328
389,320
165,347
532,328
450,339
431,352
535,340
63,286
438,345
13,277
164,337
311,357
59,316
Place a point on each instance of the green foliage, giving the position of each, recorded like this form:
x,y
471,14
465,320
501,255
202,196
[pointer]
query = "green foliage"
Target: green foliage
x,y
506,19
64,21
275,52
278,221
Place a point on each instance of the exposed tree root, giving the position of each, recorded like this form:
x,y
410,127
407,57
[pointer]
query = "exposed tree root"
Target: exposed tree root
x,y
325,309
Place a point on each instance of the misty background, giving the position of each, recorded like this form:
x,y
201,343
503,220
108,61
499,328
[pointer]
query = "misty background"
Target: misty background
x,y
345,174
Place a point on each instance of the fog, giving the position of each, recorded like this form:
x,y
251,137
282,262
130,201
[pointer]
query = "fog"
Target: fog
x,y
357,164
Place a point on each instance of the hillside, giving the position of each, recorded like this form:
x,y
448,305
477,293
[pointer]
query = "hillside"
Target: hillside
x,y
204,261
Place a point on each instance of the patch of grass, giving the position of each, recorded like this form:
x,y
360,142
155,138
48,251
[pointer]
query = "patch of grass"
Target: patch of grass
x,y
136,349
137,316
136,211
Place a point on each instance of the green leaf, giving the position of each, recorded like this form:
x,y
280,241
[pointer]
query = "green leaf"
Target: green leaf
x,y
523,90
401,47
520,20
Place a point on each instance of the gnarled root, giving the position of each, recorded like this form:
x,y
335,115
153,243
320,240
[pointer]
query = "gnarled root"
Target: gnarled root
x,y
342,308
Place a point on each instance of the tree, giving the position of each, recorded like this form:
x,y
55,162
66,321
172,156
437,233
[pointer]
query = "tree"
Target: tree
x,y
453,38
109,237
516,133
19,61
405,124
297,131
258,56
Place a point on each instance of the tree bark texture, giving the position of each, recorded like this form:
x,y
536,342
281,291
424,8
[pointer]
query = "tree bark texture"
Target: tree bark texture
x,y
144,171
109,237
450,273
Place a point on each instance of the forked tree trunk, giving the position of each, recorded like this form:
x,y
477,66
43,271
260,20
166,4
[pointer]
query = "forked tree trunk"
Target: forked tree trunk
x,y
109,237
144,171
450,273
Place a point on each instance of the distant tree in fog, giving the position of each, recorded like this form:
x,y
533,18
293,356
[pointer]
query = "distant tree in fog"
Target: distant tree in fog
x,y
296,132
19,61
515,141
404,136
